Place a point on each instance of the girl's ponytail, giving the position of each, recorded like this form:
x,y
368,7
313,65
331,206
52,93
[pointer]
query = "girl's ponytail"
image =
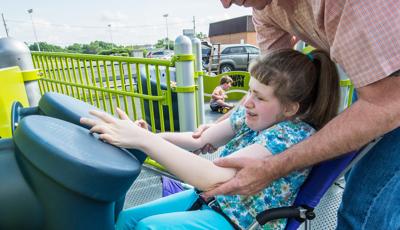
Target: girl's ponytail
x,y
326,103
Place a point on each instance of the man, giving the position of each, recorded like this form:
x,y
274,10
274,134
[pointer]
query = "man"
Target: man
x,y
362,37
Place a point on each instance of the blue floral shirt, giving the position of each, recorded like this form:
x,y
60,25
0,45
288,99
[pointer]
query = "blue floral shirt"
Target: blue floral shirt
x,y
282,192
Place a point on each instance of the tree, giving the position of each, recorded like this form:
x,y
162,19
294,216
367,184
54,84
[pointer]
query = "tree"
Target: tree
x,y
45,47
74,48
161,44
103,45
90,48
117,52
201,36
94,47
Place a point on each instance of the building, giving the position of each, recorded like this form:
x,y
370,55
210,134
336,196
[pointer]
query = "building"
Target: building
x,y
233,31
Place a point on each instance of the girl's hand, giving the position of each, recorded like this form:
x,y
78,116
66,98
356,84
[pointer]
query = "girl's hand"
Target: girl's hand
x,y
119,132
200,130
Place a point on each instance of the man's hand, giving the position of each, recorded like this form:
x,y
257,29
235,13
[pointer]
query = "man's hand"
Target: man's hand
x,y
251,177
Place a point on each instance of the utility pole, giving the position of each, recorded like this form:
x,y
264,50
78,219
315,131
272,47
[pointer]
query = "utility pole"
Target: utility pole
x,y
194,26
112,42
166,25
30,11
5,25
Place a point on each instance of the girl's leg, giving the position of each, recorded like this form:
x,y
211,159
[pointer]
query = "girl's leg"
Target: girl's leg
x,y
178,202
205,218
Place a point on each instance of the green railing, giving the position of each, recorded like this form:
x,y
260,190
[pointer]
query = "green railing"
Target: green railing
x,y
348,95
109,82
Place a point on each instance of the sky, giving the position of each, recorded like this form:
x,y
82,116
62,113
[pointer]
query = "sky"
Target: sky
x,y
132,22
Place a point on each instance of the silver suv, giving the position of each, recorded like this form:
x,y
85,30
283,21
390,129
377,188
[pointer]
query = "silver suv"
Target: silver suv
x,y
233,57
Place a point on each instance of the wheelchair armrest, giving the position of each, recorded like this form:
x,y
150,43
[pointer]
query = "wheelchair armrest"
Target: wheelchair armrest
x,y
299,213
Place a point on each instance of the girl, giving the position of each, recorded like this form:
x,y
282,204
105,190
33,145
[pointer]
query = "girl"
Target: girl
x,y
291,95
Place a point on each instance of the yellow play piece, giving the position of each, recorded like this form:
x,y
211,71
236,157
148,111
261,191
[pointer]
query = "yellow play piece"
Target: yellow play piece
x,y
12,89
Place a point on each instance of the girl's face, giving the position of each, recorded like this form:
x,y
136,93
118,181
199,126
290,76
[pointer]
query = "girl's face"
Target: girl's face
x,y
263,109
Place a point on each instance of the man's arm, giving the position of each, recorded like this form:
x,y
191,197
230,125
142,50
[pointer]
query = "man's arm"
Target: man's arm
x,y
376,112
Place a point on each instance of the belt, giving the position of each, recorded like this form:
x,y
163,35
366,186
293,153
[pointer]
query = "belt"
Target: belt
x,y
215,206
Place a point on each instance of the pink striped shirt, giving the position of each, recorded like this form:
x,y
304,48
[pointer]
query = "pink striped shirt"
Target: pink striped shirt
x,y
362,36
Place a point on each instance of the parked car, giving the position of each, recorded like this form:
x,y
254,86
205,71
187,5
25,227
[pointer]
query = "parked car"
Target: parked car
x,y
233,57
161,54
205,50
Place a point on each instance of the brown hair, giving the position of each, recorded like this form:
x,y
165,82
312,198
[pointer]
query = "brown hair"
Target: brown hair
x,y
311,80
225,79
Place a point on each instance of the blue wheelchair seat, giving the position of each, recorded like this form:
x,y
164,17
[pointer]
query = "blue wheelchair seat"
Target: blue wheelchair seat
x,y
320,179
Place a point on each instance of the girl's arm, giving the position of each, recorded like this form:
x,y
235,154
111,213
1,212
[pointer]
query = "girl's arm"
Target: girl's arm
x,y
193,169
216,136
190,168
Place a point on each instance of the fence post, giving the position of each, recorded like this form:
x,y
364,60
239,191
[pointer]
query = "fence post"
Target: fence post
x,y
185,80
198,66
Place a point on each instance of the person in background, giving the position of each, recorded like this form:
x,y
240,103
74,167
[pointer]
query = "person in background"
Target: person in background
x,y
361,38
218,96
280,111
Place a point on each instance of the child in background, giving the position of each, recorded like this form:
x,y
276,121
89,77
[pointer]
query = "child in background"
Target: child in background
x,y
217,102
285,105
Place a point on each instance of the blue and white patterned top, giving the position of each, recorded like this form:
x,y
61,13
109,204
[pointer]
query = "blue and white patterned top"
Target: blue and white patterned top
x,y
282,192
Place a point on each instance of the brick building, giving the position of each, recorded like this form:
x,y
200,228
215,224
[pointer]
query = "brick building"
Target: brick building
x,y
233,31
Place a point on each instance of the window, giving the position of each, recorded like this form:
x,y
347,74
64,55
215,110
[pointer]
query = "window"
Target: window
x,y
252,50
234,50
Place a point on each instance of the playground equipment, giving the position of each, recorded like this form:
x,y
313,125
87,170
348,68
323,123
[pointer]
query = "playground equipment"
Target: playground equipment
x,y
12,88
18,80
61,107
62,164
16,53
154,107
55,175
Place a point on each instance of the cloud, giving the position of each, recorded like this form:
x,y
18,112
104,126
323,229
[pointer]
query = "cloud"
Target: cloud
x,y
114,17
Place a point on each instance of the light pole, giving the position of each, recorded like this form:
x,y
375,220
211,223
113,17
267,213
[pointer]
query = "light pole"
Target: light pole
x,y
30,11
112,42
166,25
